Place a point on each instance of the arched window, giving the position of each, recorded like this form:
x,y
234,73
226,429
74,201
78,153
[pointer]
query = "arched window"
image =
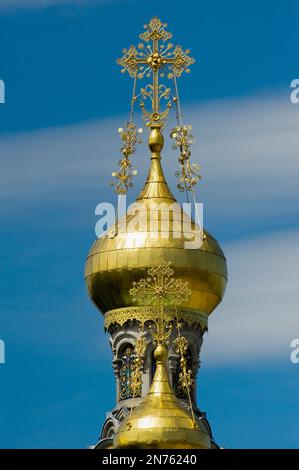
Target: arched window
x,y
179,391
108,431
111,432
125,374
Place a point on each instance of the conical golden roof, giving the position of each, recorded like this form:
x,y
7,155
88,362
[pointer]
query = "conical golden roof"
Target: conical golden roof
x,y
160,421
156,188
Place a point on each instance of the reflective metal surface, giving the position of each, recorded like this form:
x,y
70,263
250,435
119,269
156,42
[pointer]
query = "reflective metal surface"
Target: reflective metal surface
x,y
160,421
123,255
116,260
189,316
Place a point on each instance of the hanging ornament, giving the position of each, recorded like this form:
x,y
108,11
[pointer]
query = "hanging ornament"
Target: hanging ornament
x,y
130,136
186,382
136,379
188,172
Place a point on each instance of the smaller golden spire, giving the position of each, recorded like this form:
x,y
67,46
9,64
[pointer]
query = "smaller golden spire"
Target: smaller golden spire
x,y
160,421
156,189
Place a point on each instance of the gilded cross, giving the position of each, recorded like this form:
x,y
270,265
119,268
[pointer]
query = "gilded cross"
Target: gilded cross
x,y
155,56
160,288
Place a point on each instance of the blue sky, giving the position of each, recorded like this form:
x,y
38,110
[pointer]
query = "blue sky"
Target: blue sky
x,y
65,99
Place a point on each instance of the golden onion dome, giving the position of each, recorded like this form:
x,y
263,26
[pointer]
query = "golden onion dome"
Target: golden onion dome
x,y
161,421
122,256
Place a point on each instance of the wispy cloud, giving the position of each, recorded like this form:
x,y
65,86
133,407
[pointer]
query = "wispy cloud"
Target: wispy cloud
x,y
248,150
54,159
259,315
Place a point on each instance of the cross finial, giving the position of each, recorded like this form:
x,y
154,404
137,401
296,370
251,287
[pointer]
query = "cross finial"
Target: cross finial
x,y
155,57
160,288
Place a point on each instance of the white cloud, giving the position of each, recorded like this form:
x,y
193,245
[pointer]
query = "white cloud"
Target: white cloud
x,y
248,150
42,162
259,315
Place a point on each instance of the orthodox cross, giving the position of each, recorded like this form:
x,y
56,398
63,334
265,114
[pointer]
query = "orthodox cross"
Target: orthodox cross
x,y
160,288
155,59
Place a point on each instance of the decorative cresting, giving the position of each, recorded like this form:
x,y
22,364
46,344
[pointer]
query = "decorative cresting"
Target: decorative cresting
x,y
150,314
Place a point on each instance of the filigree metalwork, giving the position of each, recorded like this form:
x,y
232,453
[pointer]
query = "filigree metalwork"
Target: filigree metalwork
x,y
188,172
145,314
180,345
158,59
155,30
160,288
130,136
185,380
136,379
160,285
126,373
